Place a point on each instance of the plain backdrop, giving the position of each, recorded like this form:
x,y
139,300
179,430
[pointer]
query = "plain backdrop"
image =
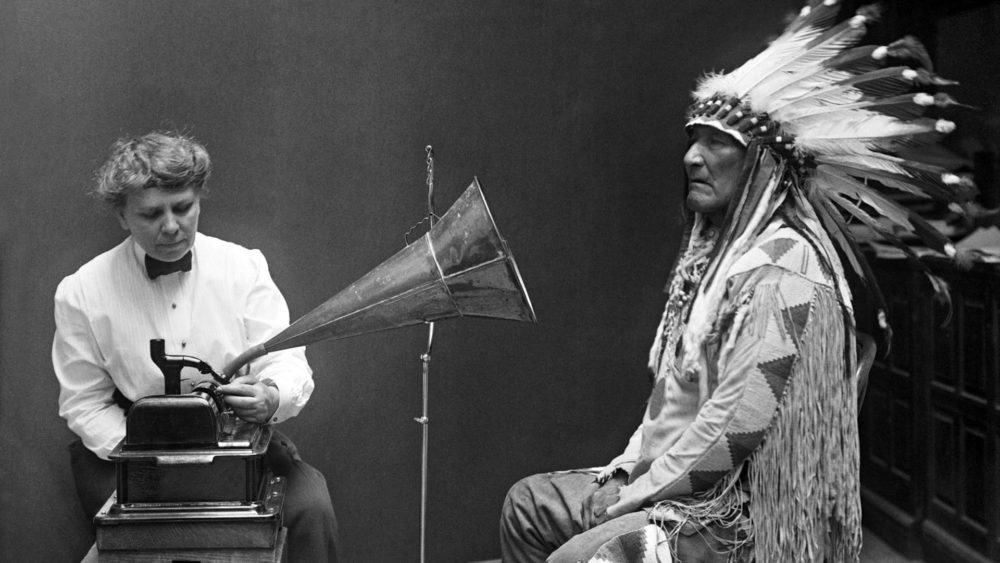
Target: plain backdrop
x,y
317,115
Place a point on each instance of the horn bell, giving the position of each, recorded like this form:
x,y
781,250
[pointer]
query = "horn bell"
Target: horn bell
x,y
460,267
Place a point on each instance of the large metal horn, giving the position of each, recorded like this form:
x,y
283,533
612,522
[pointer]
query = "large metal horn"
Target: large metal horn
x,y
461,267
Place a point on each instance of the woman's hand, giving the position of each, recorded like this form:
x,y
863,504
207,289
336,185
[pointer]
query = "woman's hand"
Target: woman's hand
x,y
251,399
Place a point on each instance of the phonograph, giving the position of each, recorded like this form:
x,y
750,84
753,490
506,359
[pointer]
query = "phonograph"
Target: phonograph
x,y
190,474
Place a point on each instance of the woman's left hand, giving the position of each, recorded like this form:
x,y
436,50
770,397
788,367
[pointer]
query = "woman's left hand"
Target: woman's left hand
x,y
251,399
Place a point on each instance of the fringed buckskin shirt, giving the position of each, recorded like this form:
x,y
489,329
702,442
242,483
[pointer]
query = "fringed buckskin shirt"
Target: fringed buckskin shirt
x,y
780,395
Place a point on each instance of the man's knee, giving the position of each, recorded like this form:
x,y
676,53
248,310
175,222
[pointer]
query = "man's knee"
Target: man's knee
x,y
519,498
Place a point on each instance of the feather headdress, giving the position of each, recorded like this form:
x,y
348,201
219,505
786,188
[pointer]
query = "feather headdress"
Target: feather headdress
x,y
850,120
829,128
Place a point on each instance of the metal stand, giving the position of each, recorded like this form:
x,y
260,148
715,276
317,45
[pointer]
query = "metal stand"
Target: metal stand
x,y
425,358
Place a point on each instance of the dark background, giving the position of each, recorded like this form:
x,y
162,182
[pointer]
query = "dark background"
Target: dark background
x,y
316,115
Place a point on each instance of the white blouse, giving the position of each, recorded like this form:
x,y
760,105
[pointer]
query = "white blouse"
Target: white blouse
x,y
107,312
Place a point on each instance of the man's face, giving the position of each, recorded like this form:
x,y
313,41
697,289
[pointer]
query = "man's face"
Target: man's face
x,y
712,162
164,223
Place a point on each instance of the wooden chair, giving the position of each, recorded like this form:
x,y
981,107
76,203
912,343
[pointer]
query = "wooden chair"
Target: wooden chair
x,y
866,356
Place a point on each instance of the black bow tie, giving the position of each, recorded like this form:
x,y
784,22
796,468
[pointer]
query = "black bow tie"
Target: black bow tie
x,y
156,268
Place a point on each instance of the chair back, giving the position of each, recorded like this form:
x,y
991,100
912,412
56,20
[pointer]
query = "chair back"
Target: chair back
x,y
866,356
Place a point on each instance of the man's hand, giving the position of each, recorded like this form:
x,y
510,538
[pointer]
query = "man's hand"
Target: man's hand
x,y
250,399
595,507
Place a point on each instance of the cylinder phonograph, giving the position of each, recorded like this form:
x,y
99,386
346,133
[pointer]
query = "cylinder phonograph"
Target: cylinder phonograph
x,y
190,474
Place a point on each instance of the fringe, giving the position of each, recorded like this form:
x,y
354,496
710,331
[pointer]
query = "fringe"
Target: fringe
x,y
767,305
674,285
684,282
804,481
719,509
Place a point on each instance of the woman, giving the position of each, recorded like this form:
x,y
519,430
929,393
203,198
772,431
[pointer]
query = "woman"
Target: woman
x,y
206,298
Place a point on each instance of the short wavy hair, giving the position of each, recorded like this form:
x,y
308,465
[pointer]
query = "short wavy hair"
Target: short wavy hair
x,y
170,161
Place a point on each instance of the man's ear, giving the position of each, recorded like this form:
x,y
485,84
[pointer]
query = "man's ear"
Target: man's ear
x,y
121,219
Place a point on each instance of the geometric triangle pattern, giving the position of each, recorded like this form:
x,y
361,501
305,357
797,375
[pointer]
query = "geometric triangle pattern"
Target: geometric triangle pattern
x,y
758,403
635,549
777,247
645,545
796,318
702,480
754,381
690,441
785,249
718,457
743,444
778,369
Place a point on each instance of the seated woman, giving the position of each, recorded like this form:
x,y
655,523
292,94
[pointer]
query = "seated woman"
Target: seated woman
x,y
205,297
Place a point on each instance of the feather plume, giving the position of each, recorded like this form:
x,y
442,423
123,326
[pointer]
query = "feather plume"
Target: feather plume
x,y
940,290
925,78
857,60
809,84
863,216
835,227
712,83
945,101
858,125
916,145
911,50
931,236
845,34
850,62
809,25
920,151
890,81
927,233
905,176
942,294
890,163
975,211
818,15
844,184
904,106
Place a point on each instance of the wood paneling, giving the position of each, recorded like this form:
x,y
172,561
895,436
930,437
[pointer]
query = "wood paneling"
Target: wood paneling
x,y
929,425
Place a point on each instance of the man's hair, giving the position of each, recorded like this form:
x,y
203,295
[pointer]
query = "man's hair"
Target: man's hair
x,y
169,161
